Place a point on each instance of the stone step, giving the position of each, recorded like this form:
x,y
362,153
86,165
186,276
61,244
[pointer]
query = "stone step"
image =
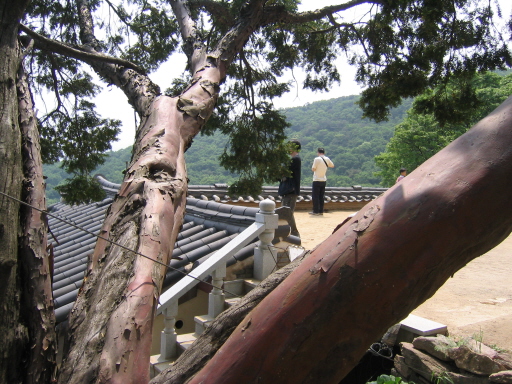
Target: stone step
x,y
184,341
422,327
413,326
201,323
157,366
228,303
251,284
239,287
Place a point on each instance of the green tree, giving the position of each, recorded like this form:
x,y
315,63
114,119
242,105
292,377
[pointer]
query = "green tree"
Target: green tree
x,y
421,134
243,48
83,146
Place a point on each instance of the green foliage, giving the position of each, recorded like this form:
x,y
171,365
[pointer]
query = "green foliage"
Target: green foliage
x,y
336,124
389,379
257,150
411,46
80,140
112,169
408,46
420,135
156,35
81,189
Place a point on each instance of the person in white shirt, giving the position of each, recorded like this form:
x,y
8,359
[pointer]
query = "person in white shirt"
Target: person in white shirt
x,y
403,173
319,168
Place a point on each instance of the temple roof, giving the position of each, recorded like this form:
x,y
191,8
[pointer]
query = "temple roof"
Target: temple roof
x,y
208,225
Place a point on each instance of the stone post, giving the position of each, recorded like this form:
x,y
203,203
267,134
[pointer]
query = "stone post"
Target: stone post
x,y
216,297
168,336
264,262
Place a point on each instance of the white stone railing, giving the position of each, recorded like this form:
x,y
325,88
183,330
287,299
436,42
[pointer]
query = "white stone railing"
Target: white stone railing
x,y
264,227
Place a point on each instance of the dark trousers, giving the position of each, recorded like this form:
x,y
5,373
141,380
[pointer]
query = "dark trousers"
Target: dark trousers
x,y
318,196
290,201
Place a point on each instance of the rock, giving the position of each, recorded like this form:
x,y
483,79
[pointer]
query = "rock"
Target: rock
x,y
478,347
402,368
390,336
423,364
503,377
485,362
505,359
438,347
465,378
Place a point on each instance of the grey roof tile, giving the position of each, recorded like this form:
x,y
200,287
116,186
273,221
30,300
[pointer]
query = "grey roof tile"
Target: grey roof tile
x,y
208,225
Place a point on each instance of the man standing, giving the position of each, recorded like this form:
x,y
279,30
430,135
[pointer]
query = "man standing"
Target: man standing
x,y
289,197
319,168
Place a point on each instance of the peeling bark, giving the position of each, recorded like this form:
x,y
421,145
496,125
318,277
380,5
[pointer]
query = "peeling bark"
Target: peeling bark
x,y
373,271
37,303
112,319
14,333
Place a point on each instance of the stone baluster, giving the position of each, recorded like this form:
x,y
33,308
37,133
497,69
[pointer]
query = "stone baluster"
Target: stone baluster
x,y
264,262
168,337
216,297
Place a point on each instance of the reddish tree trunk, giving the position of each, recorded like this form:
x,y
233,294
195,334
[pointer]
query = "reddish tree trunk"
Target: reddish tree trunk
x,y
37,304
377,268
109,345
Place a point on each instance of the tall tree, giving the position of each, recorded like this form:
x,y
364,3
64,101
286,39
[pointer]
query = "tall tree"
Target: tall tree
x,y
11,173
27,319
423,133
407,46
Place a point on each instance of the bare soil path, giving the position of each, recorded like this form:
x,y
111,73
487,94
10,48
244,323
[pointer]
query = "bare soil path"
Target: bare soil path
x,y
477,301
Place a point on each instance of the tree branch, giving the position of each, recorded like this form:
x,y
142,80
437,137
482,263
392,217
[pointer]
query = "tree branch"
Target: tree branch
x,y
47,44
122,17
218,10
137,86
56,84
252,16
278,13
193,45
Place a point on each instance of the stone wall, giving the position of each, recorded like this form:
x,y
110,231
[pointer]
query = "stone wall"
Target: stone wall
x,y
441,360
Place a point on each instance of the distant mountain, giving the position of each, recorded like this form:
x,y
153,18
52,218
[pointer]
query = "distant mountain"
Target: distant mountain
x,y
112,169
350,141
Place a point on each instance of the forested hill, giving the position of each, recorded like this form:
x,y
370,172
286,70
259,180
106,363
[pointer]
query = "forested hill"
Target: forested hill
x,y
336,124
350,141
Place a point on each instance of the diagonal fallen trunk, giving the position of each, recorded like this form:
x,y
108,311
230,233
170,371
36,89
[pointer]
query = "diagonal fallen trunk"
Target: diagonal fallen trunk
x,y
371,273
194,359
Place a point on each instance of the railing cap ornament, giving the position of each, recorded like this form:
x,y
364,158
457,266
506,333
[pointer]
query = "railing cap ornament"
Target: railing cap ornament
x,y
267,206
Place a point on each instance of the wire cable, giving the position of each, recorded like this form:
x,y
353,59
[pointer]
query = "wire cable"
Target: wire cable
x,y
45,212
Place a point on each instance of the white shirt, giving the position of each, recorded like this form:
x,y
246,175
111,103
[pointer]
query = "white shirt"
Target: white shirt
x,y
320,169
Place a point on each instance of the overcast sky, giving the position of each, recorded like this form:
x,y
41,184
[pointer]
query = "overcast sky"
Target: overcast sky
x,y
112,102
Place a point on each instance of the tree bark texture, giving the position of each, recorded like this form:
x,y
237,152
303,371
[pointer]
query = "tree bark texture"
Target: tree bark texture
x,y
36,268
111,322
112,319
372,272
193,359
14,334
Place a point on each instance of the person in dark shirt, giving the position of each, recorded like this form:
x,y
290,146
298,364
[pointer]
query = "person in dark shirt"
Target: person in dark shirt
x,y
290,199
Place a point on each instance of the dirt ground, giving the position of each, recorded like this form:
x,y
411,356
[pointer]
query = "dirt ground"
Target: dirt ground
x,y
477,301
